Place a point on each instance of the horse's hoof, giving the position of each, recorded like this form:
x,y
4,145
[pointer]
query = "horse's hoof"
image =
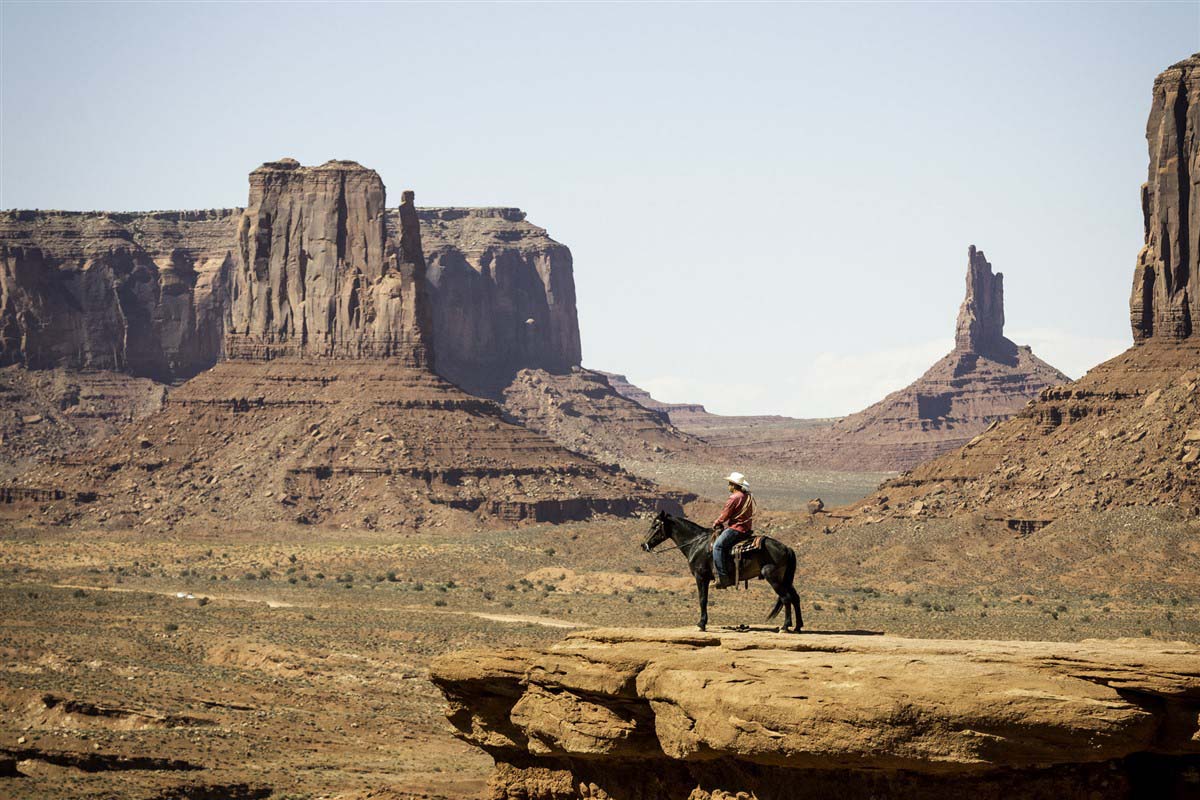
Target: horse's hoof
x,y
701,627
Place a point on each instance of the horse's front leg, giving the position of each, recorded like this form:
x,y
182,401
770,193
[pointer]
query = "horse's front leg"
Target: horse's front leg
x,y
702,592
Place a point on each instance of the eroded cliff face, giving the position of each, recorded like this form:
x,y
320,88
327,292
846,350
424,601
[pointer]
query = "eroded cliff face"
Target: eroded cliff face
x,y
143,294
650,714
152,294
1165,303
503,297
316,274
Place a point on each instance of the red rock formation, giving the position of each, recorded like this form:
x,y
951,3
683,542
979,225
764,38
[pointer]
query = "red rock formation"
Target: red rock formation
x,y
324,408
984,379
582,412
503,297
316,274
149,293
137,293
1128,432
980,326
1165,303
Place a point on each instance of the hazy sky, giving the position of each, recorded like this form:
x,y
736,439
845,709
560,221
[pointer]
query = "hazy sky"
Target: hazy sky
x,y
769,205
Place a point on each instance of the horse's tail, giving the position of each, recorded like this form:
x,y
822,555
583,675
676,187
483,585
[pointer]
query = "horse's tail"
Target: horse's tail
x,y
789,574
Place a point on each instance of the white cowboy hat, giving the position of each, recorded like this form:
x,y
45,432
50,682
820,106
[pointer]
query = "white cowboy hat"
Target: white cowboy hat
x,y
738,479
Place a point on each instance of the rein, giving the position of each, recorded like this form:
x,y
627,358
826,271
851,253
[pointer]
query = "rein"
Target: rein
x,y
680,546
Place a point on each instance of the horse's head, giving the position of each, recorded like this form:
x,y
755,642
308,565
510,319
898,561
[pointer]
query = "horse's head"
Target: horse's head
x,y
658,532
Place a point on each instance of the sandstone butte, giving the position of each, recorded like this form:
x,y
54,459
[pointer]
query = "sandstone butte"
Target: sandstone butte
x,y
323,407
649,714
149,293
985,379
89,298
1128,432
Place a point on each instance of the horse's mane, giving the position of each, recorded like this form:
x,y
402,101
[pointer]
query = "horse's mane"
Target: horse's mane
x,y
687,523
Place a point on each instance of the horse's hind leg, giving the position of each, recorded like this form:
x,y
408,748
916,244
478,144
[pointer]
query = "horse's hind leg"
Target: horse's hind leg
x,y
702,593
795,599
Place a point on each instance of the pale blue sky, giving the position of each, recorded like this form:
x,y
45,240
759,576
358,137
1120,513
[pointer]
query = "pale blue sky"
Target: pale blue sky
x,y
769,205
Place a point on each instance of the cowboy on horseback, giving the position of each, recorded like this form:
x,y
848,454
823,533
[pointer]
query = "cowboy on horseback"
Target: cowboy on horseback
x,y
735,524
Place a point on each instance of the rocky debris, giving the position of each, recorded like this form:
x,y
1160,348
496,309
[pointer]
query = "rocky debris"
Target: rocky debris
x,y
371,444
1165,302
50,413
317,275
503,297
582,412
668,714
143,294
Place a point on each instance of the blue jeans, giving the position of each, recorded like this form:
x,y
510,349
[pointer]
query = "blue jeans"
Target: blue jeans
x,y
724,564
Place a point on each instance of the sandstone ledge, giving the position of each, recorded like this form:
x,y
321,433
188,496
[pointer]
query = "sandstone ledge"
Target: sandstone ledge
x,y
679,714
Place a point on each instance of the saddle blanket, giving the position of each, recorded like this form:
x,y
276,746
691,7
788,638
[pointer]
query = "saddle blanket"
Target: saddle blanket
x,y
749,546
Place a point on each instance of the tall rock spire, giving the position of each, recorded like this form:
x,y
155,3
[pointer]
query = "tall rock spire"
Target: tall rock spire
x,y
315,273
980,327
1165,303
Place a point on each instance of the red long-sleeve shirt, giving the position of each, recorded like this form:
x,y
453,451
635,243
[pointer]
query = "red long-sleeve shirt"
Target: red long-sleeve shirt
x,y
738,513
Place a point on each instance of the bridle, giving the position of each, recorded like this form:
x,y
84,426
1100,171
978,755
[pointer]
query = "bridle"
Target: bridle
x,y
680,546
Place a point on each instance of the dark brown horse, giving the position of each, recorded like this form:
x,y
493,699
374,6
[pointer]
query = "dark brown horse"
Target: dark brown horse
x,y
775,563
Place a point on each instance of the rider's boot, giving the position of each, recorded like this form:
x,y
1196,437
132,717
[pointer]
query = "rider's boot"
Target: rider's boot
x,y
724,581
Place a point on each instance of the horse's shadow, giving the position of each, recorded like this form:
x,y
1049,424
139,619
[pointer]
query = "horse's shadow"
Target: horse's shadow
x,y
775,629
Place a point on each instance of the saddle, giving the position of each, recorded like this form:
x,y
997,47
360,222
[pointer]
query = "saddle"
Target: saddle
x,y
741,552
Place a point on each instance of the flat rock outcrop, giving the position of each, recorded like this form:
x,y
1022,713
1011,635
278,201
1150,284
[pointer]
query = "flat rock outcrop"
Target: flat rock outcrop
x,y
629,713
1165,303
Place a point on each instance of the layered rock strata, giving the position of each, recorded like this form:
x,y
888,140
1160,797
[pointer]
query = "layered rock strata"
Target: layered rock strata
x,y
680,414
648,714
1165,303
1126,434
373,444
